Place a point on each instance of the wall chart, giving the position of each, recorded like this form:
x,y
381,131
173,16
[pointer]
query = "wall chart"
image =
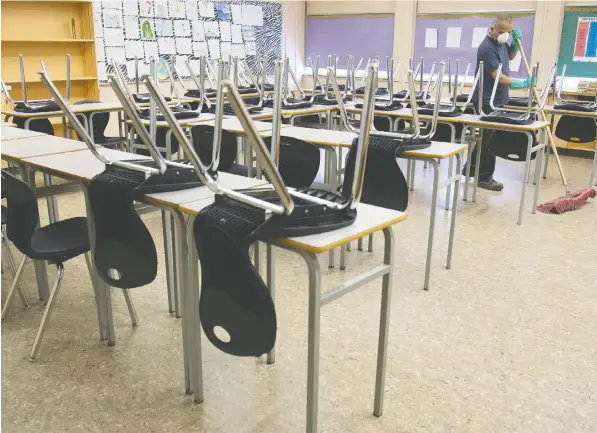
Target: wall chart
x,y
173,30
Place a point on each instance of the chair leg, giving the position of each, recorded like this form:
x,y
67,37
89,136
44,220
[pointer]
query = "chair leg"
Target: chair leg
x,y
131,307
15,283
13,267
47,312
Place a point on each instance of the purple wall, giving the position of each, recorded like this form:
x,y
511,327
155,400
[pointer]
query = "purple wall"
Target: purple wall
x,y
466,53
361,37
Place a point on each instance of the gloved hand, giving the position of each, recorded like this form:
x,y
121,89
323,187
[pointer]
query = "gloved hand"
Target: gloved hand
x,y
516,35
518,83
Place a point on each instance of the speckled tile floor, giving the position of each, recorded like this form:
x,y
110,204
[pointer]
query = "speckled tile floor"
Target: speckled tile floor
x,y
505,341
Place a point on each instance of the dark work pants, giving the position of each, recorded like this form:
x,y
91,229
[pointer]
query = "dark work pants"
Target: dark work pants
x,y
487,165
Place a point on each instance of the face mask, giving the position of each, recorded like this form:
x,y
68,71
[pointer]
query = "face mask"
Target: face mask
x,y
503,38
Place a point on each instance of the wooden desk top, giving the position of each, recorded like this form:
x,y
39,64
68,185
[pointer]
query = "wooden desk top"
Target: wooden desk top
x,y
406,113
320,137
437,150
7,134
549,109
80,165
204,117
475,120
311,110
370,219
8,125
177,198
78,109
17,150
232,124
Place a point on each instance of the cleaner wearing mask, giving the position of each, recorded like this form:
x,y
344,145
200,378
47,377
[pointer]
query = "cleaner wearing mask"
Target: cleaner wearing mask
x,y
493,51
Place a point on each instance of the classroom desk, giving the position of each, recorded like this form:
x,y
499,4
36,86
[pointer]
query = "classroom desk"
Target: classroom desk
x,y
7,134
185,123
37,145
591,114
370,219
233,125
406,113
538,127
91,109
82,166
433,154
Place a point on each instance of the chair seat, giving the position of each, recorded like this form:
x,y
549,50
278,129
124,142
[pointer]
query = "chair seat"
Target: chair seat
x,y
241,170
60,241
111,141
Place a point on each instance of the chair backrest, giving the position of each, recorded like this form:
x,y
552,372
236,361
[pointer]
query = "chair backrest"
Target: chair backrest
x,y
22,213
100,121
160,141
511,145
203,136
385,184
298,163
37,125
125,254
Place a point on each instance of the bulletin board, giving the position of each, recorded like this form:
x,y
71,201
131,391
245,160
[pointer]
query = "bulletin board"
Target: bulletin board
x,y
439,37
578,46
365,37
174,30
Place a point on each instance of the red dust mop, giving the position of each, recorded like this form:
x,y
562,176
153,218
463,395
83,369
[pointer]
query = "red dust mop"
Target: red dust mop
x,y
572,200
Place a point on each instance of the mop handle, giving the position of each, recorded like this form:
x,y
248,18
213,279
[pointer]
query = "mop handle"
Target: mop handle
x,y
544,118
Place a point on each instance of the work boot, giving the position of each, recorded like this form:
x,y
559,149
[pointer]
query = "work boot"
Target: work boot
x,y
491,184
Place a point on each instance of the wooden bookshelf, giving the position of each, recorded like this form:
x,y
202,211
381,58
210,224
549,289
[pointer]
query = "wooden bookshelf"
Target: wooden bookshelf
x,y
48,31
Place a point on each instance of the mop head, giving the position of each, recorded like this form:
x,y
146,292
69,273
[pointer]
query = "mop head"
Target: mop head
x,y
572,202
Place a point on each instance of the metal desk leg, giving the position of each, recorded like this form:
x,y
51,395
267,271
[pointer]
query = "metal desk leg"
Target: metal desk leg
x,y
450,164
478,166
41,271
384,322
257,256
471,146
313,340
370,245
449,187
454,209
593,179
538,170
360,244
195,359
181,253
168,260
527,167
435,165
343,249
101,289
546,155
411,180
51,200
330,179
271,284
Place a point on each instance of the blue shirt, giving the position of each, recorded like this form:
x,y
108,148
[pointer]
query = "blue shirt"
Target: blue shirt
x,y
492,54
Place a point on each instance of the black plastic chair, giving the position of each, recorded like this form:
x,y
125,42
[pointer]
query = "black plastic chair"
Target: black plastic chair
x,y
37,125
160,141
100,123
56,243
7,255
298,163
202,142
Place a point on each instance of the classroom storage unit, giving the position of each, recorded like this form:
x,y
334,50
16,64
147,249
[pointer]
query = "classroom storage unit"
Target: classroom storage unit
x,y
48,31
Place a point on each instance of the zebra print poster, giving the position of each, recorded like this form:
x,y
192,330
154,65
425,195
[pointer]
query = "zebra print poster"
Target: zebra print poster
x,y
172,31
